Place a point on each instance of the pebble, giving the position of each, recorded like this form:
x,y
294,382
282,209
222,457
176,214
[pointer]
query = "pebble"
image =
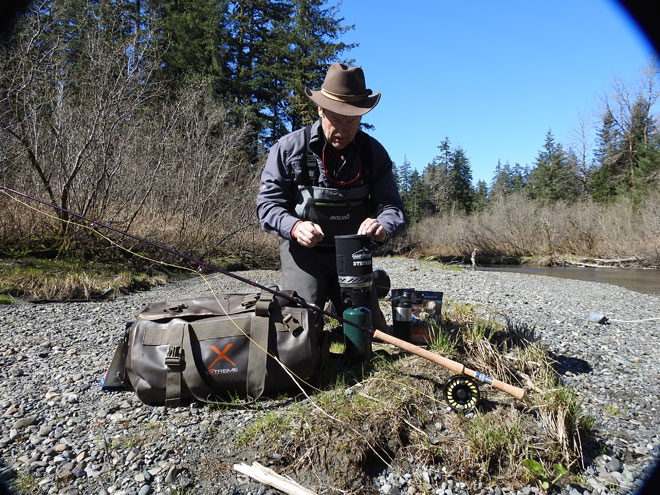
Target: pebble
x,y
59,428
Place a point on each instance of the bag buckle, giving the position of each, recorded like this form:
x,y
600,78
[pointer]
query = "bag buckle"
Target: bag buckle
x,y
174,358
250,300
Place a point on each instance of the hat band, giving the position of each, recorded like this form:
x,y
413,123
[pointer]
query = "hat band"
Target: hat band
x,y
344,98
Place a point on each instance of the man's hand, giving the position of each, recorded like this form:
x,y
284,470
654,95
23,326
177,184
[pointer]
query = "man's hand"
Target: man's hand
x,y
372,228
307,233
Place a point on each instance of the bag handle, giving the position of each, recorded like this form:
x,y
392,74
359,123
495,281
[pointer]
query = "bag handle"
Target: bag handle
x,y
179,371
258,354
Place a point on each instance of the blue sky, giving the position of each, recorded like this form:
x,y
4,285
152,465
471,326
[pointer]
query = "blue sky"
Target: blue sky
x,y
493,76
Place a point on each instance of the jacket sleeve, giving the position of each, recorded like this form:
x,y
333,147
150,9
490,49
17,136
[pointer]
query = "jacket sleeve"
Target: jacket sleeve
x,y
385,199
276,196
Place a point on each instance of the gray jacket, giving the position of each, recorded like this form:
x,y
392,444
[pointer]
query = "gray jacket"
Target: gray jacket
x,y
286,169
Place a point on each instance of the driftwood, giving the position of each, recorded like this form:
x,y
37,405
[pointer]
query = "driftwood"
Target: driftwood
x,y
599,263
632,259
271,478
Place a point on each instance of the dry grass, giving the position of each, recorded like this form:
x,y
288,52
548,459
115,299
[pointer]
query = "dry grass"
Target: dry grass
x,y
517,226
57,280
394,415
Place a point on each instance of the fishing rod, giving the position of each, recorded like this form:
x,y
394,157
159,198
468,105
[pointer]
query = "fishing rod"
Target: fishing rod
x,y
454,366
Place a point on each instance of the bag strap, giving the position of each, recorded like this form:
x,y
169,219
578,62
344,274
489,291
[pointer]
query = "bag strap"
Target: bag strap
x,y
175,362
180,347
258,354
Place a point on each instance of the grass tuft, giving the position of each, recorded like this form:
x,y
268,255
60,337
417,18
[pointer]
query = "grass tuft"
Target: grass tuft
x,y
63,280
391,413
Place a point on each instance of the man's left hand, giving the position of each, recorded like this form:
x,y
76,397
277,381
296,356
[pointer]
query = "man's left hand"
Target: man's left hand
x,y
372,228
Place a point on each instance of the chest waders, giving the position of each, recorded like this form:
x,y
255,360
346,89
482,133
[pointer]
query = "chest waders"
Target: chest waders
x,y
337,211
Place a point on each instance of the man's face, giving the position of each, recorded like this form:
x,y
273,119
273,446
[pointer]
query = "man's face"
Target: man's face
x,y
339,130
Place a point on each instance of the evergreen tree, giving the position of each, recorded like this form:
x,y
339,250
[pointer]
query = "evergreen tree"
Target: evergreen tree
x,y
314,34
460,194
507,180
628,144
554,178
480,195
604,181
403,176
258,55
436,177
499,186
416,198
193,38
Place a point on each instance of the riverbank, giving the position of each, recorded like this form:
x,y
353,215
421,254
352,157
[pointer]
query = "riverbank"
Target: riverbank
x,y
60,434
638,279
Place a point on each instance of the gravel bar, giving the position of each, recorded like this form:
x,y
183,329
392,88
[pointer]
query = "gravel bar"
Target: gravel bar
x,y
59,433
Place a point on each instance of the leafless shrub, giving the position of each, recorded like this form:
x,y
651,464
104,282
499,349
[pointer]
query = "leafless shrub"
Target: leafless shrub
x,y
95,137
516,226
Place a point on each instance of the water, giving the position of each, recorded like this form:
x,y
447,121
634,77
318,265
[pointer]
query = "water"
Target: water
x,y
637,279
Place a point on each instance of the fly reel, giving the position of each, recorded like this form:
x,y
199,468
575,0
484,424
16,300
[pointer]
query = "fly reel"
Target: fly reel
x,y
462,393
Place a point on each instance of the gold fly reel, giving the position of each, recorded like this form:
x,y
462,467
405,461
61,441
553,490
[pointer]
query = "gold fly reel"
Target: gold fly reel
x,y
462,393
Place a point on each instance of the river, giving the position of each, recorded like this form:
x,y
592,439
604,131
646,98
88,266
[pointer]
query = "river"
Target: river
x,y
640,280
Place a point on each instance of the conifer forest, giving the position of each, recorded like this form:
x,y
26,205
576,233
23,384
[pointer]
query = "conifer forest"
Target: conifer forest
x,y
156,117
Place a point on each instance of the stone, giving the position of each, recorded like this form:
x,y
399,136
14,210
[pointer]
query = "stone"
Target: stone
x,y
23,422
614,464
388,489
145,490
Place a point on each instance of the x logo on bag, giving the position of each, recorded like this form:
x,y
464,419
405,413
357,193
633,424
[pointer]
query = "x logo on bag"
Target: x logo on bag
x,y
221,355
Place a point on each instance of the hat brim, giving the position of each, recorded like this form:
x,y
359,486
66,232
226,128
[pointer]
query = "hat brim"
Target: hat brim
x,y
351,109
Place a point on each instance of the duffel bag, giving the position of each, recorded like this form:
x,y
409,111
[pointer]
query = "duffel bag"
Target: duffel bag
x,y
209,348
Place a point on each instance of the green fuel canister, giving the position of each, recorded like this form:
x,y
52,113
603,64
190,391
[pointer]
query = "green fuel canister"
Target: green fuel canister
x,y
357,342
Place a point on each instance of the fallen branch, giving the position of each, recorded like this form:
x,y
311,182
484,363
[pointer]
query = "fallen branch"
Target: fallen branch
x,y
271,478
632,259
582,264
599,263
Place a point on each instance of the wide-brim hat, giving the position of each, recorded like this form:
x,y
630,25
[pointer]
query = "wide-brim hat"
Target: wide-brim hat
x,y
344,91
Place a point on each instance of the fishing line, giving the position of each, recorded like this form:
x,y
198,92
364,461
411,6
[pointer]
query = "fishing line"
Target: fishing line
x,y
634,321
201,264
290,372
447,363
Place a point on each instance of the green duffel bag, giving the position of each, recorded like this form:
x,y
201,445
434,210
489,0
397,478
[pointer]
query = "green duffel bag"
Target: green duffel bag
x,y
198,349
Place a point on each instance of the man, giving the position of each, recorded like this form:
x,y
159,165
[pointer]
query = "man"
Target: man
x,y
326,180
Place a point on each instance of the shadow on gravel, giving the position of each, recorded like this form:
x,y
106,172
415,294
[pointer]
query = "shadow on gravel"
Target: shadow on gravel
x,y
563,364
6,476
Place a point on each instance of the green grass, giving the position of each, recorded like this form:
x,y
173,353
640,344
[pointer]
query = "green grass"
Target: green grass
x,y
390,410
61,279
613,410
6,299
26,484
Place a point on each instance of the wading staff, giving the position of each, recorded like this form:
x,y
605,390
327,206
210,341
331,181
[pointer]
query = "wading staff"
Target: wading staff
x,y
454,366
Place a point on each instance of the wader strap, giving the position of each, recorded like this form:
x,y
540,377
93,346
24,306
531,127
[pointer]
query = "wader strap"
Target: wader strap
x,y
312,164
365,159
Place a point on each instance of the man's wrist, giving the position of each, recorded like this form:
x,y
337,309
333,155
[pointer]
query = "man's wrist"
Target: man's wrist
x,y
385,239
292,232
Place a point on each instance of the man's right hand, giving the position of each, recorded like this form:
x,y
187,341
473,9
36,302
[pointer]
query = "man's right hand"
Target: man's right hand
x,y
307,233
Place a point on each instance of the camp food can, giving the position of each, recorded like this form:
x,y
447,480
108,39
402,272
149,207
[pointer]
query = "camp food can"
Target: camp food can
x,y
402,316
427,315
